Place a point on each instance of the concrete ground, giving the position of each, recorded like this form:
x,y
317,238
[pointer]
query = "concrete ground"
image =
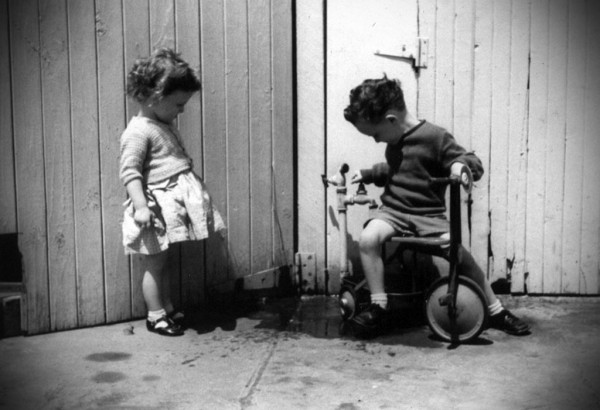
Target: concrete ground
x,y
289,355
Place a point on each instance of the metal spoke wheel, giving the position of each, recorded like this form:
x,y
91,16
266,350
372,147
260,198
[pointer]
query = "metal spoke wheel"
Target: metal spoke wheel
x,y
471,310
348,302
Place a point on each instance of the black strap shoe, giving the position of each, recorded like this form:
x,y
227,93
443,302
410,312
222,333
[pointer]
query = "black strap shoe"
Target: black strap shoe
x,y
178,317
370,322
164,326
509,323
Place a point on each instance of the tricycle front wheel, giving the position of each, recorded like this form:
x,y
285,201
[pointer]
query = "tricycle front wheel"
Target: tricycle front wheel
x,y
471,311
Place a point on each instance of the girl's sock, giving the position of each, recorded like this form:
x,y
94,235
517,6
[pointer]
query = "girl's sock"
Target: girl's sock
x,y
154,315
495,308
379,299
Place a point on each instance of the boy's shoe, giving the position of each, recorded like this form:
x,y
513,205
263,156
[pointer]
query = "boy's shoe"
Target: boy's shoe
x,y
178,317
164,326
370,322
508,323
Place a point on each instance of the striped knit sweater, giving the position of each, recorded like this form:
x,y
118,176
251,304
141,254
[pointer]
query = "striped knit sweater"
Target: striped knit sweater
x,y
426,151
151,151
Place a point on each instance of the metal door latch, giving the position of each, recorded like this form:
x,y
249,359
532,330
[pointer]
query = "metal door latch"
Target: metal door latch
x,y
417,53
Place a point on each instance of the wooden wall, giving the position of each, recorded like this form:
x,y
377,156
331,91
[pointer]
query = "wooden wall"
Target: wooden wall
x,y
62,109
514,80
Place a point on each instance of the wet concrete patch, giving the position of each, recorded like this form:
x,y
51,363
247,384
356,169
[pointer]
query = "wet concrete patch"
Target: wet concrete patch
x,y
108,357
320,316
108,377
150,378
111,400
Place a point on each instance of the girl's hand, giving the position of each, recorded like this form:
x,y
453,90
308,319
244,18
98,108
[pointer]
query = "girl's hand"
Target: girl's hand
x,y
357,177
144,217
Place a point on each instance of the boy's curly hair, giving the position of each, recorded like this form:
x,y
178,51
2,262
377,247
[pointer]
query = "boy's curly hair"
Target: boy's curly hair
x,y
159,75
370,100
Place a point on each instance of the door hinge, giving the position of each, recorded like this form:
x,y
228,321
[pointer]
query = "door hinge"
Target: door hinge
x,y
306,270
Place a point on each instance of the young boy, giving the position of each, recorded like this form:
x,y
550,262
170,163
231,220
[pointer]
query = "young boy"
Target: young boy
x,y
416,151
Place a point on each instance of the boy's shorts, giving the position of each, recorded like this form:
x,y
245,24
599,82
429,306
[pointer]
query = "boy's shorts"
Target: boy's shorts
x,y
412,225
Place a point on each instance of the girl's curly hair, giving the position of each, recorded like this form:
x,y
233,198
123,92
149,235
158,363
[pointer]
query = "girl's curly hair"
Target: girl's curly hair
x,y
371,99
159,75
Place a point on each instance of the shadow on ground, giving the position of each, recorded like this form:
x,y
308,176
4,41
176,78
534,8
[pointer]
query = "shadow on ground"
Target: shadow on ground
x,y
318,317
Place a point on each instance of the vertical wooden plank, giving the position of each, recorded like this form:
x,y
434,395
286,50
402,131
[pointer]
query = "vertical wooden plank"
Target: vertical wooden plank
x,y
517,145
187,37
238,137
112,121
590,232
259,55
555,145
162,24
464,39
283,132
426,78
86,162
214,132
480,143
8,207
499,137
29,159
444,70
574,146
463,88
58,164
136,29
536,146
310,71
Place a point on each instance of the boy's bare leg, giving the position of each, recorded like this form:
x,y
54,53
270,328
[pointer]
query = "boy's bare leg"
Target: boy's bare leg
x,y
370,243
469,268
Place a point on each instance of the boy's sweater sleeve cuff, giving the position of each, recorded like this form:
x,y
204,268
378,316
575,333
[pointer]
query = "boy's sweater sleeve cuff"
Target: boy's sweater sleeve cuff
x,y
367,175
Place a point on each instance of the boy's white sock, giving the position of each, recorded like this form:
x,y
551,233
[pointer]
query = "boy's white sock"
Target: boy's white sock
x,y
380,299
495,308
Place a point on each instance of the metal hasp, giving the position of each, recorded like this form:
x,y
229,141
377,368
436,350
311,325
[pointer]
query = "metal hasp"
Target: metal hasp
x,y
417,53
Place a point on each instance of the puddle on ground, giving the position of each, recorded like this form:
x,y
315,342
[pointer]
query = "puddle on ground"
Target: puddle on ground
x,y
320,317
108,357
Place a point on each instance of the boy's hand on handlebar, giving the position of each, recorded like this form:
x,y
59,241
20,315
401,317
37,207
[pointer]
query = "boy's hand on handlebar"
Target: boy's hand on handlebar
x,y
357,177
456,170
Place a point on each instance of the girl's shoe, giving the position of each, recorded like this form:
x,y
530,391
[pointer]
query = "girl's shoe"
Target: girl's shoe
x,y
164,326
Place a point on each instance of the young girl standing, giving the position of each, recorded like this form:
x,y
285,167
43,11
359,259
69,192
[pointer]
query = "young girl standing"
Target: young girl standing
x,y
167,202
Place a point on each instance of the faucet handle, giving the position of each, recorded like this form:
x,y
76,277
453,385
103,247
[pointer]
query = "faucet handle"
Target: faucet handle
x,y
361,189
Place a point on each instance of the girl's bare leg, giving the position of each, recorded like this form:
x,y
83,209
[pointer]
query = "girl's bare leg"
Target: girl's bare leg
x,y
152,282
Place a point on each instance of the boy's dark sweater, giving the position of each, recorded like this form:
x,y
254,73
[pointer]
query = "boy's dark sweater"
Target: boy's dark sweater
x,y
426,151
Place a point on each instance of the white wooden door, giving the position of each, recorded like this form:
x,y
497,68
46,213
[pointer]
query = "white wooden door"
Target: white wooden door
x,y
355,31
363,41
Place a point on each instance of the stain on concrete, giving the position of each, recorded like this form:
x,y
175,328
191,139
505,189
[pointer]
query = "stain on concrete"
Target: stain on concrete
x,y
113,399
108,357
150,378
190,360
108,377
347,406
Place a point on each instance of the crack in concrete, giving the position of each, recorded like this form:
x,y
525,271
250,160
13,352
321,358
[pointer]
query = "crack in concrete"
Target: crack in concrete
x,y
252,384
